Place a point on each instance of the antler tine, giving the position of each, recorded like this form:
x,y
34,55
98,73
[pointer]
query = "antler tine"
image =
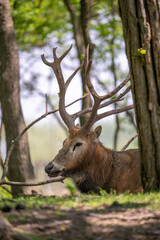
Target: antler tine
x,y
97,99
112,93
72,75
116,99
90,85
70,119
88,64
55,65
105,104
115,111
65,53
94,117
62,56
45,61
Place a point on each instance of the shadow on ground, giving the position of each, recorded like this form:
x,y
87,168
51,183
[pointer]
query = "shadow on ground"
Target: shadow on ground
x,y
115,222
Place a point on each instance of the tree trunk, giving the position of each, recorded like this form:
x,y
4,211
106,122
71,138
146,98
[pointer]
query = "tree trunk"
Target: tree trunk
x,y
20,167
141,27
82,39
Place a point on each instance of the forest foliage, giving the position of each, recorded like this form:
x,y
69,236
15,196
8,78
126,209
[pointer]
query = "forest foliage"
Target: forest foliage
x,y
36,21
42,23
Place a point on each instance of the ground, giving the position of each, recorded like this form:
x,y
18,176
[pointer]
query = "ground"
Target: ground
x,y
82,218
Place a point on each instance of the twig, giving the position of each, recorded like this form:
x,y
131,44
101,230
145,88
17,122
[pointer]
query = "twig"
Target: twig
x,y
5,188
56,179
127,144
25,130
131,118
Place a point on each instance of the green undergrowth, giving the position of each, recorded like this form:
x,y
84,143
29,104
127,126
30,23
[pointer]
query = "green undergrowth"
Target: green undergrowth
x,y
94,201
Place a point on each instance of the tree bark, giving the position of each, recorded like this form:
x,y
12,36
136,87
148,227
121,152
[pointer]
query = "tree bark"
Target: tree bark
x,y
20,167
141,27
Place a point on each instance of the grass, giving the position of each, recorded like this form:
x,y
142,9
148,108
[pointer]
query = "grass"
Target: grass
x,y
36,238
60,206
94,201
16,218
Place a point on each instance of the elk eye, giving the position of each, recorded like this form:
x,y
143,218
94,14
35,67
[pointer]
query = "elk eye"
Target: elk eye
x,y
77,145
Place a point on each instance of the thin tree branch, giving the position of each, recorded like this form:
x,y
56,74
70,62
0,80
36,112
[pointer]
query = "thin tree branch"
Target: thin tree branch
x,y
59,120
5,188
22,133
127,144
56,179
131,118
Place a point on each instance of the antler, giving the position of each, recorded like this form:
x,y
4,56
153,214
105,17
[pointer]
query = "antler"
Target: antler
x,y
63,85
56,66
98,99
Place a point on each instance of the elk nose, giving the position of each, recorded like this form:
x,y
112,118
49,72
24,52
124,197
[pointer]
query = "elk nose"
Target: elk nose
x,y
48,168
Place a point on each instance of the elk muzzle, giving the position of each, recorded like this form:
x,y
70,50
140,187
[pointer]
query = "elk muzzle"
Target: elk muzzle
x,y
53,169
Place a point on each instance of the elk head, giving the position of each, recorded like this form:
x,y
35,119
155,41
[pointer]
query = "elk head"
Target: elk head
x,y
81,141
75,149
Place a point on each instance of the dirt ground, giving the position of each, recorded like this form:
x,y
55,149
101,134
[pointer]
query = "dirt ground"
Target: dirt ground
x,y
113,222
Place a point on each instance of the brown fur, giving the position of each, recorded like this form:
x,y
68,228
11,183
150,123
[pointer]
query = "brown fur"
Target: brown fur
x,y
92,166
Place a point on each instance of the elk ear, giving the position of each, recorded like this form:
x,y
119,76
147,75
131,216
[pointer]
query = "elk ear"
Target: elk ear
x,y
96,133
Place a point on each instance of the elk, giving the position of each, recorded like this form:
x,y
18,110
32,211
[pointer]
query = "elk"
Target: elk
x,y
83,157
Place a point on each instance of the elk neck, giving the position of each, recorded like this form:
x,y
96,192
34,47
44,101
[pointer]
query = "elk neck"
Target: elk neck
x,y
102,165
96,168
